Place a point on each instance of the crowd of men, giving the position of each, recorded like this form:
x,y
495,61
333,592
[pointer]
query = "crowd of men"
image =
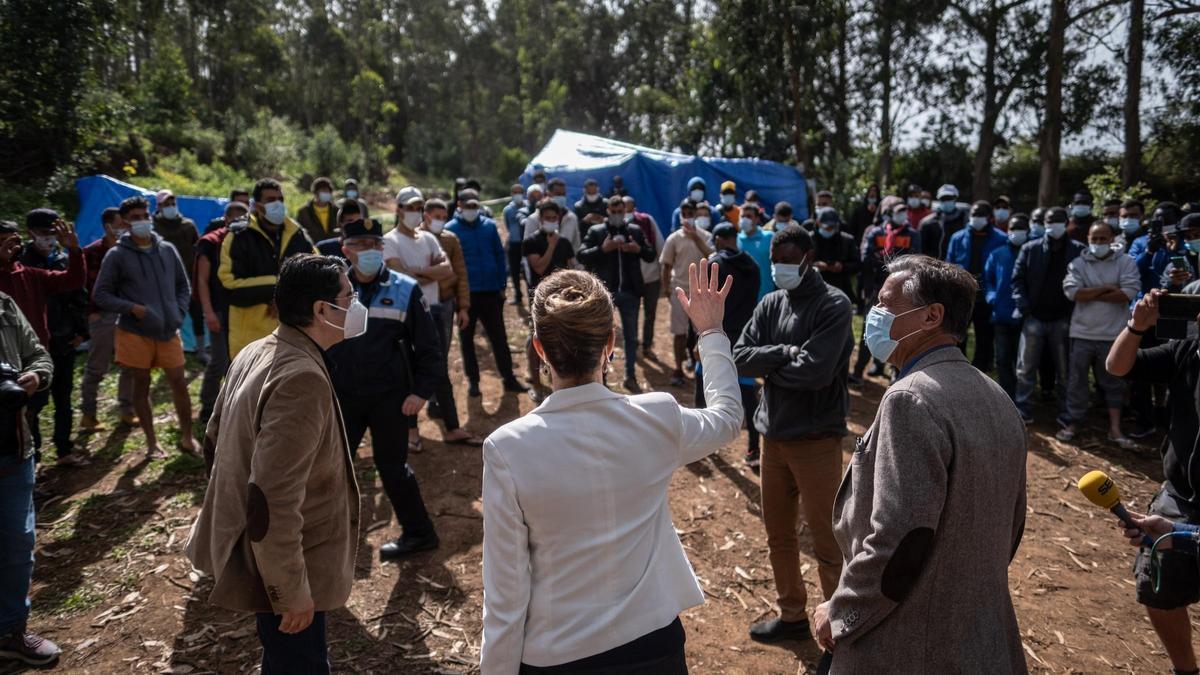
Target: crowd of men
x,y
1055,288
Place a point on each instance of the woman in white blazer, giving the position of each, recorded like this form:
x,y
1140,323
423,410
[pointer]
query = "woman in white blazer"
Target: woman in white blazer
x,y
582,569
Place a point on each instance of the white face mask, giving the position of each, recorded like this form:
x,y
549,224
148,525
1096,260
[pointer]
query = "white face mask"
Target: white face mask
x,y
142,228
900,218
549,227
170,212
1056,230
45,244
411,220
324,197
787,276
978,222
1100,250
275,212
355,323
1130,225
436,226
696,195
592,197
469,215
727,200
703,222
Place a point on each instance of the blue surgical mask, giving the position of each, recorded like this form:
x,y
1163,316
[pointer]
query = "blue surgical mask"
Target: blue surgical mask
x,y
1037,230
746,225
1018,237
1130,225
1192,245
787,276
1081,210
561,200
948,206
369,262
703,222
1100,250
827,232
324,196
877,331
142,228
1002,214
1056,230
519,200
170,212
276,212
696,195
351,194
978,222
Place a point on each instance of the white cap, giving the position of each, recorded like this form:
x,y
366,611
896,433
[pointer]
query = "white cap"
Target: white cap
x,y
536,187
409,194
163,195
947,190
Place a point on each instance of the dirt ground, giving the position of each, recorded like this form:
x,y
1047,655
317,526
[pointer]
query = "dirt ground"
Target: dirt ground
x,y
113,588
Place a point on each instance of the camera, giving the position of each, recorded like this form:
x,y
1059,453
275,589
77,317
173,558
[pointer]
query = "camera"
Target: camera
x,y
1177,313
12,402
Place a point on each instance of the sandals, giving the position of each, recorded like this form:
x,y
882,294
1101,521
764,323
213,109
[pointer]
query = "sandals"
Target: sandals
x,y
415,446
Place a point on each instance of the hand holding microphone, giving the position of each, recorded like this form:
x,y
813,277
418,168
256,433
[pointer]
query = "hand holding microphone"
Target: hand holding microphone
x,y
1102,491
1152,526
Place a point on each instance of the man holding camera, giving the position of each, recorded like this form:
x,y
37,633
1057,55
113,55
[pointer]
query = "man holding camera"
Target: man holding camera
x,y
1177,365
25,369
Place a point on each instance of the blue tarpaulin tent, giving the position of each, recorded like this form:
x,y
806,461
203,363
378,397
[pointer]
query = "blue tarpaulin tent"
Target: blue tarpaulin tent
x,y
658,179
97,193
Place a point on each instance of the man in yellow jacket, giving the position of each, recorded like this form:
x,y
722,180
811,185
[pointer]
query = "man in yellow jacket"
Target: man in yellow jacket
x,y
250,262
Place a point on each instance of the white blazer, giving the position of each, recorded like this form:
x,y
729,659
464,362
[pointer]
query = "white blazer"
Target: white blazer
x,y
579,551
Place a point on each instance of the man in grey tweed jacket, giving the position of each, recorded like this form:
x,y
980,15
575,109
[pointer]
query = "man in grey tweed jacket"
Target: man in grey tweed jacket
x,y
932,508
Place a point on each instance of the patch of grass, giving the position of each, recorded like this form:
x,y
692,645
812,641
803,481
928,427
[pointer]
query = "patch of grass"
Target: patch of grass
x,y
79,600
186,499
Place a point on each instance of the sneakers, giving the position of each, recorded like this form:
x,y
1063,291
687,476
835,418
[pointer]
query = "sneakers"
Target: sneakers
x,y
31,649
88,424
752,458
1066,433
778,630
1122,442
677,379
72,459
406,546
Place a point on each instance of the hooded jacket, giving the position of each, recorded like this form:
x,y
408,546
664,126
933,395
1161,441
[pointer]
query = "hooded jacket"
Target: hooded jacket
x,y
743,296
694,181
840,248
1099,319
804,395
181,233
153,278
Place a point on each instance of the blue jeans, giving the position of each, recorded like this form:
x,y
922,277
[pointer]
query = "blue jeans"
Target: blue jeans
x,y
16,541
1035,335
628,305
303,653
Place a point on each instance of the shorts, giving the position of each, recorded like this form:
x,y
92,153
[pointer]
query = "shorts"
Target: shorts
x,y
679,318
1180,575
144,353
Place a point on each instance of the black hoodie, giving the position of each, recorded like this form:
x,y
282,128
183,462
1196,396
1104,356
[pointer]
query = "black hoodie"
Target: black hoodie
x,y
739,306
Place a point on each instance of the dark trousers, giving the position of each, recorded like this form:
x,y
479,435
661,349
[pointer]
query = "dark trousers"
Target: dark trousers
x,y
62,382
389,440
659,652
516,270
749,406
214,372
1141,392
985,336
443,395
650,294
303,653
627,307
487,307
196,312
1008,345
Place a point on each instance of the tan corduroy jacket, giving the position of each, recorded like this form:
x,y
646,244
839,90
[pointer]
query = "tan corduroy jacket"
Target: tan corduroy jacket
x,y
280,518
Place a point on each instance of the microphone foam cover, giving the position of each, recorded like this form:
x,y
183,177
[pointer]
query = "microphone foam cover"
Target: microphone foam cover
x,y
1099,489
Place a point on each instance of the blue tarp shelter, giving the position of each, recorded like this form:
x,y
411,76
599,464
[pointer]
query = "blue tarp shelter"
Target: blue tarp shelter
x,y
97,193
658,179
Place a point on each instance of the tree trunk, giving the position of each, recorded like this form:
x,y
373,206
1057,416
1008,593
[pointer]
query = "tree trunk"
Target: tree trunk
x,y
885,105
842,120
797,91
981,187
1131,163
1050,142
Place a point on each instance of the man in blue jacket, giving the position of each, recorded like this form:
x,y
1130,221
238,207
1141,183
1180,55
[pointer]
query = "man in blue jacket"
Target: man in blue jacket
x,y
142,280
394,367
486,273
696,187
969,248
997,288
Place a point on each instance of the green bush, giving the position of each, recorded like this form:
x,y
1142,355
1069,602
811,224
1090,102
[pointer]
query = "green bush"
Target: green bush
x,y
185,174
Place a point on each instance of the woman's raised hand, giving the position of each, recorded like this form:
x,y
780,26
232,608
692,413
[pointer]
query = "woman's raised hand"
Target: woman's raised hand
x,y
705,303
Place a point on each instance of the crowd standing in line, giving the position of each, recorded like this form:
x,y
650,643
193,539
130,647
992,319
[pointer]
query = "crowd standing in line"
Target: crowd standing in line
x,y
1043,299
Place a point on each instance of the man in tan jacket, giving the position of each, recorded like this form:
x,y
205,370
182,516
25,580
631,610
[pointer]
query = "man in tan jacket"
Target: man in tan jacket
x,y
279,525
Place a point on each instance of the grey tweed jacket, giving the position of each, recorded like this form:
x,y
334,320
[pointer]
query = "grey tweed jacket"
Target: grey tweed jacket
x,y
928,516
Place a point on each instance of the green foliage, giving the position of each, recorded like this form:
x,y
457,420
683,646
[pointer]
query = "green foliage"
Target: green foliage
x,y
268,147
184,174
1106,185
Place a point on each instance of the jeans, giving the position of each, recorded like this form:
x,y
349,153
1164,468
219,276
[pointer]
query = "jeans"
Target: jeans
x,y
214,372
16,540
795,473
1035,336
650,295
389,442
303,653
443,395
981,319
516,270
62,382
99,361
1008,341
487,307
627,306
1084,355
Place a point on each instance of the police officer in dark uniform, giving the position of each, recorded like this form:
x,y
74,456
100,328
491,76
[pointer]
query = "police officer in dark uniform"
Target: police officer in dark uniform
x,y
384,377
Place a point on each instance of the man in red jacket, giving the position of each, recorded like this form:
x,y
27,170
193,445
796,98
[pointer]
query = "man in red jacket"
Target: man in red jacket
x,y
30,286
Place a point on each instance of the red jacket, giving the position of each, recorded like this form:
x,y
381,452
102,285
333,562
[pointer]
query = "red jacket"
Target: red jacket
x,y
30,286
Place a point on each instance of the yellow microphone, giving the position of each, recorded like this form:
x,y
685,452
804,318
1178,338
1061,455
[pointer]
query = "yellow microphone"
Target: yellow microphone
x,y
1102,491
